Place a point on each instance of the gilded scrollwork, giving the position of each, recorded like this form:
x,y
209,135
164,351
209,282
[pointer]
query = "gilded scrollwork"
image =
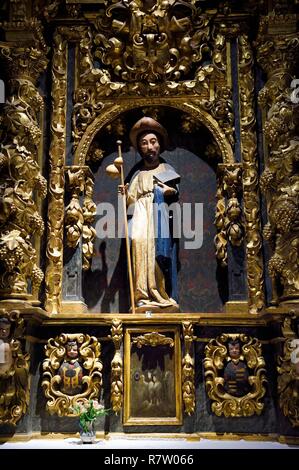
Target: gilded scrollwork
x,y
14,369
235,375
117,367
288,370
188,374
152,40
71,373
155,40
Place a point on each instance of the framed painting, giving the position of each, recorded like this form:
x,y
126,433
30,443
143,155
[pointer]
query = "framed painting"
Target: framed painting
x,y
152,367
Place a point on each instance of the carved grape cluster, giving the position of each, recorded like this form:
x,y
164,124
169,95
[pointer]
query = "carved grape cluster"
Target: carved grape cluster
x,y
37,223
276,266
37,275
267,180
285,214
11,258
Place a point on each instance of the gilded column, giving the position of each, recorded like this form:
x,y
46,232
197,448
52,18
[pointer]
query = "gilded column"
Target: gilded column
x,y
21,179
251,198
277,54
54,270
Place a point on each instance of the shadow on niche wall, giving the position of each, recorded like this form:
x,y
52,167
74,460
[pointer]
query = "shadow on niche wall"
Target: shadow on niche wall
x,y
202,284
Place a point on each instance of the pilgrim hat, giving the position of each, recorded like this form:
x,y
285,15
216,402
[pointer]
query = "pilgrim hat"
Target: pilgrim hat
x,y
148,124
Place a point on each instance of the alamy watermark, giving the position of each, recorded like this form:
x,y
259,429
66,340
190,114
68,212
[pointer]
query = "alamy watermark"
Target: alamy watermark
x,y
2,92
295,92
186,222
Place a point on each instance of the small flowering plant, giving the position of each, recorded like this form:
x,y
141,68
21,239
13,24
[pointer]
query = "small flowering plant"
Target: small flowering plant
x,y
88,412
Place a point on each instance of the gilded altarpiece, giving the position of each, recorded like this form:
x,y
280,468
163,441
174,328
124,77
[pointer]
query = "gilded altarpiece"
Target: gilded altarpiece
x,y
219,77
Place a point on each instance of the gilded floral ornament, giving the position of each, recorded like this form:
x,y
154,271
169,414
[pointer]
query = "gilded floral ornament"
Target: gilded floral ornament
x,y
235,375
14,369
152,339
72,372
288,370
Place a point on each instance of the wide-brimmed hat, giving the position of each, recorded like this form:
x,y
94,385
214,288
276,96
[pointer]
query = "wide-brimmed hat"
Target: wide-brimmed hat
x,y
148,124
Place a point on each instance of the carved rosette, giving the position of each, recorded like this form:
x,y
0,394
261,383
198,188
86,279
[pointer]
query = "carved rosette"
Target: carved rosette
x,y
89,351
288,370
14,371
279,180
251,200
223,403
188,374
117,367
21,178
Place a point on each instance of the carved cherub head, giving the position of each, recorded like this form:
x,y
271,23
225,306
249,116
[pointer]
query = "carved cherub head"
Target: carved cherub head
x,y
72,349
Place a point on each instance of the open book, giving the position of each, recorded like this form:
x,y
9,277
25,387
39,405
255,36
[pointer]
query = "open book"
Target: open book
x,y
166,176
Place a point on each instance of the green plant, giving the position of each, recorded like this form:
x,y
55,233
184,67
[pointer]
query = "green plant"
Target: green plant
x,y
88,412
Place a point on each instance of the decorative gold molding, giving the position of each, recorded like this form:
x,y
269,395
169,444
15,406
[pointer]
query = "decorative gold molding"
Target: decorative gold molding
x,y
117,367
255,279
14,369
247,372
152,339
63,391
188,374
144,338
112,111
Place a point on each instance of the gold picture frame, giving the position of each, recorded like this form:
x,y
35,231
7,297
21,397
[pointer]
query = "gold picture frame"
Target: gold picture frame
x,y
152,370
